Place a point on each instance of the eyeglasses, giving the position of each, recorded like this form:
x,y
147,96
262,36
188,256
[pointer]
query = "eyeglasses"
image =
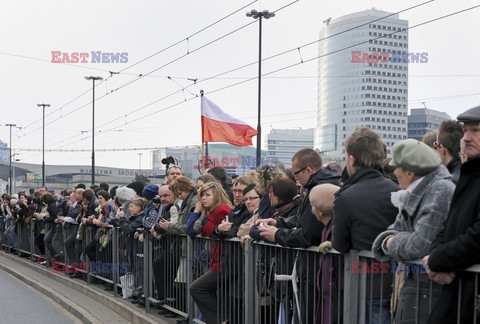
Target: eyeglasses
x,y
237,191
251,198
297,172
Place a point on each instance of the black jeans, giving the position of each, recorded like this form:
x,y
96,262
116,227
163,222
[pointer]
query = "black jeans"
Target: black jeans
x,y
164,271
204,293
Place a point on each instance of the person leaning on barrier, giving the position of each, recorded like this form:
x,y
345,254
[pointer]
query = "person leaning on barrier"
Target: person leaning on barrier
x,y
363,210
217,205
423,204
457,246
100,241
165,267
329,277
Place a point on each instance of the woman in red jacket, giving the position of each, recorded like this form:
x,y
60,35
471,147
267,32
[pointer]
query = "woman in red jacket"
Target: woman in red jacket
x,y
216,204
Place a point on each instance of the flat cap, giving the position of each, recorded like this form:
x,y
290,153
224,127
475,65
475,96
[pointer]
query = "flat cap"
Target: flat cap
x,y
414,156
470,116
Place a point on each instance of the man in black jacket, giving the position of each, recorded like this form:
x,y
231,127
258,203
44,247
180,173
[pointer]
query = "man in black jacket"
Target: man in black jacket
x,y
362,209
302,230
457,247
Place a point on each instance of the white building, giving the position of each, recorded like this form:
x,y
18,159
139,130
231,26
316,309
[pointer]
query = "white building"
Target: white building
x,y
424,120
282,144
352,93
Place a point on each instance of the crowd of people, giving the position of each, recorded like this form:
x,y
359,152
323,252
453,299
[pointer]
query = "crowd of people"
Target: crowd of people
x,y
423,203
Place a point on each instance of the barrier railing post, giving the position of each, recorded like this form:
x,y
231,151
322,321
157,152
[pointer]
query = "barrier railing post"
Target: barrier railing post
x,y
351,286
147,255
249,282
190,306
115,260
32,243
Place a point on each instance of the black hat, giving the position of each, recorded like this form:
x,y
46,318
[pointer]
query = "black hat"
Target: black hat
x,y
470,116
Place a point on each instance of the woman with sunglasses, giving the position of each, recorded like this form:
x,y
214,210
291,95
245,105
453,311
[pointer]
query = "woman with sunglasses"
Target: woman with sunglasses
x,y
216,204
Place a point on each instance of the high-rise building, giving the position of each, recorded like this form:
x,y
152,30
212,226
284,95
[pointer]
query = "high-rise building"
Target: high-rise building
x,y
361,83
424,120
282,144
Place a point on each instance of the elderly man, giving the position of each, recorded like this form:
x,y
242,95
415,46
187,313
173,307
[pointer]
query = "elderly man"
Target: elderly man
x,y
173,172
423,203
457,247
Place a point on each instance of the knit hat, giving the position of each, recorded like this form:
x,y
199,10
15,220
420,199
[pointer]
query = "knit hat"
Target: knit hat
x,y
124,193
415,156
150,191
322,197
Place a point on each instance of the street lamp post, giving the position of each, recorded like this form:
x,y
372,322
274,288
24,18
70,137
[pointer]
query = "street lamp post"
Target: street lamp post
x,y
259,15
93,124
43,142
10,151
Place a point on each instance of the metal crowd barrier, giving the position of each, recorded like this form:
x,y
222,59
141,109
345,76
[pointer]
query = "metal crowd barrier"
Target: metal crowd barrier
x,y
257,283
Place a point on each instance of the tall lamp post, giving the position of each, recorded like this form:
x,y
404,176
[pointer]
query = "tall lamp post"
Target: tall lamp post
x,y
93,124
43,142
259,15
10,153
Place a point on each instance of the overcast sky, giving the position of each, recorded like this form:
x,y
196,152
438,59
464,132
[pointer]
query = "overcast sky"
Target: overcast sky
x,y
448,82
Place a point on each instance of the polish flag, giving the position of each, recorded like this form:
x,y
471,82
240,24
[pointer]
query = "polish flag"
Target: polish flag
x,y
217,126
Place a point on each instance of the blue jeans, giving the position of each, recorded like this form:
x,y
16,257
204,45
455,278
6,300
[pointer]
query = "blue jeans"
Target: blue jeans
x,y
11,235
377,304
48,240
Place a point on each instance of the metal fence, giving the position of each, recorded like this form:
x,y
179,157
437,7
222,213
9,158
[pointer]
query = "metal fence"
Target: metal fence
x,y
255,283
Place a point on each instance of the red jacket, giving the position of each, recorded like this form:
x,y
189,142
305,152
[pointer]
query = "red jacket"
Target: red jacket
x,y
214,219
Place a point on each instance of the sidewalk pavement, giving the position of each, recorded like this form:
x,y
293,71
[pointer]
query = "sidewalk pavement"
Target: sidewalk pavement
x,y
89,303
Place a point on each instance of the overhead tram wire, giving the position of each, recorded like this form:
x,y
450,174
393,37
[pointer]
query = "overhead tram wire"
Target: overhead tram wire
x,y
128,67
290,66
229,71
144,75
249,64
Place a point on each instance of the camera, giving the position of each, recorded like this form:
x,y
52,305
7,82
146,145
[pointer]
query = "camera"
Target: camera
x,y
156,200
168,160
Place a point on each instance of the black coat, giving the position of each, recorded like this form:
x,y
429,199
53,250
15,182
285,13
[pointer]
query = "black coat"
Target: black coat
x,y
363,204
362,210
305,230
458,247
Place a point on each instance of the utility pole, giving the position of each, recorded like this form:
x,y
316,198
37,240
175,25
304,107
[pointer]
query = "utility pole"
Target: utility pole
x,y
10,153
259,15
93,124
43,142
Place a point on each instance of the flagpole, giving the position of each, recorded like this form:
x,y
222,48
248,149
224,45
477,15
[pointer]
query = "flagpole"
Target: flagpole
x,y
204,144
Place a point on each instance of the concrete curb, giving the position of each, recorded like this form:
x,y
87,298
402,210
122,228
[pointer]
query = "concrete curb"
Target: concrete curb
x,y
74,309
130,314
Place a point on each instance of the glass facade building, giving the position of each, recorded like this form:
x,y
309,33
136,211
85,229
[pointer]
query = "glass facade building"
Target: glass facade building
x,y
359,85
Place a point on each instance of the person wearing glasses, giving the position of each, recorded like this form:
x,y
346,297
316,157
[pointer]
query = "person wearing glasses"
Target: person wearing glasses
x,y
447,145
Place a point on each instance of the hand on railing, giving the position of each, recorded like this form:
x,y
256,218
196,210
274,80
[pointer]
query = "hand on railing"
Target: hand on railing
x,y
243,239
324,247
442,278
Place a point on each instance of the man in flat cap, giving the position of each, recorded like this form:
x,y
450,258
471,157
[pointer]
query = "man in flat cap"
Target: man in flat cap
x,y
457,247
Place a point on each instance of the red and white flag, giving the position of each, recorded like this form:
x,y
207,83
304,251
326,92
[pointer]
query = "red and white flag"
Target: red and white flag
x,y
217,126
